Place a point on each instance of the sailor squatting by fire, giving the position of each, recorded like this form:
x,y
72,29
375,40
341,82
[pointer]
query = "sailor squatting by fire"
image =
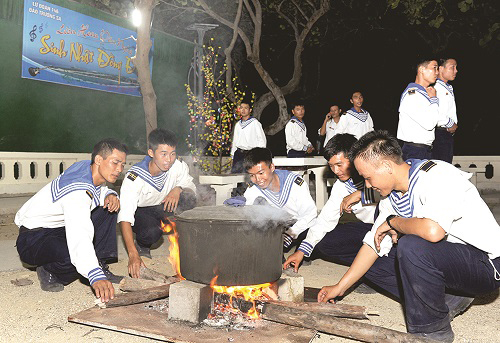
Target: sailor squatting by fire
x,y
151,191
279,188
447,237
348,194
69,226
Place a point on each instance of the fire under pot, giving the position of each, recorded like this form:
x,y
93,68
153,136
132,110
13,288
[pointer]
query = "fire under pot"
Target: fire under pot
x,y
239,245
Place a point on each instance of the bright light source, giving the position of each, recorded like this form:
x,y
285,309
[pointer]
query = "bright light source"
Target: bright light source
x,y
136,17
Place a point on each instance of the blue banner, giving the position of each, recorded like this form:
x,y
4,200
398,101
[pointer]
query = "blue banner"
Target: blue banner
x,y
66,47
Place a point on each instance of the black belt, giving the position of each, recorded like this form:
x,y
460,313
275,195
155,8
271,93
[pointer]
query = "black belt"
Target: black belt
x,y
442,129
418,145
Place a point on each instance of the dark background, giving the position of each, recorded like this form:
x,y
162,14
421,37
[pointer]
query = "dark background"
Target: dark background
x,y
380,62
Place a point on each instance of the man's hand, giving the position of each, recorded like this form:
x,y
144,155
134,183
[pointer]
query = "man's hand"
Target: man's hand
x,y
381,232
329,292
349,201
452,129
310,149
431,91
134,265
112,203
104,289
328,116
172,199
294,260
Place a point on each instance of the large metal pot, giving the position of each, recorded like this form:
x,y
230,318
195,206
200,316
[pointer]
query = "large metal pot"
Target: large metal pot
x,y
242,245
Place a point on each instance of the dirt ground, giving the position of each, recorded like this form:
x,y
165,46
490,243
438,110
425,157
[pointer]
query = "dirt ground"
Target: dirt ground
x,y
30,315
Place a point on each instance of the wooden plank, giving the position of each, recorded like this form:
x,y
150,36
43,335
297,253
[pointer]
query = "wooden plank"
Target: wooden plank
x,y
138,320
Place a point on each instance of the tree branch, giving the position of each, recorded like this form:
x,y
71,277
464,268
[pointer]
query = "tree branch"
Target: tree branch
x,y
300,10
228,51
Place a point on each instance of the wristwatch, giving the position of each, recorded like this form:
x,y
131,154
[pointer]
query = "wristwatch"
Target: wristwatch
x,y
388,221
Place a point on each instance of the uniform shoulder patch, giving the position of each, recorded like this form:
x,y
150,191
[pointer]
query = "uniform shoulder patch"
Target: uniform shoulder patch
x,y
426,166
411,91
132,176
90,195
299,181
293,121
249,184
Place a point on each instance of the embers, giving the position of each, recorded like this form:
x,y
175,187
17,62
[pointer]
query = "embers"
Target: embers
x,y
233,312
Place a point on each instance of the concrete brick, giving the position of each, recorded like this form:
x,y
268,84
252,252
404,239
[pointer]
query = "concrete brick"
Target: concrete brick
x,y
189,301
291,286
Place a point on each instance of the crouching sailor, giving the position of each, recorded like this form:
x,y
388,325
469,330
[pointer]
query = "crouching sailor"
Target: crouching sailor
x,y
279,188
340,241
151,191
69,227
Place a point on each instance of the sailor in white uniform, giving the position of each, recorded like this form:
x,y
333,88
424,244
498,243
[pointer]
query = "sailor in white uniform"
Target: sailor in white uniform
x,y
68,228
282,189
248,134
151,191
349,194
330,123
447,237
442,148
356,121
419,113
297,144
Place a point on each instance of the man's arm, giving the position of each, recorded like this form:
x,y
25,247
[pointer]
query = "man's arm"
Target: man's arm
x,y
327,221
134,260
129,192
365,258
422,227
79,236
292,136
322,130
260,136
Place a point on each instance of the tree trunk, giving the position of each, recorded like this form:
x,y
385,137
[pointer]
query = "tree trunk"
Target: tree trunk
x,y
141,62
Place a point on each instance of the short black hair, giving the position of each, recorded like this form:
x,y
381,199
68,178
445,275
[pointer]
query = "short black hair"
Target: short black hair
x,y
296,104
424,62
374,145
256,156
442,61
341,142
161,136
105,147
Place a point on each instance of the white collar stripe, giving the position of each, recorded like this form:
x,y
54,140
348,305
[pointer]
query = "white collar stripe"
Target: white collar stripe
x,y
281,198
156,182
58,193
246,122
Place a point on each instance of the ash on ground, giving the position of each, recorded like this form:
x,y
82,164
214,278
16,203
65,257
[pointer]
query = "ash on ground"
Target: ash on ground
x,y
157,305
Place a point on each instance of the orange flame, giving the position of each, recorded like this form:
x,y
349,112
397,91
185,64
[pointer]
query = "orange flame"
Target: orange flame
x,y
249,293
174,247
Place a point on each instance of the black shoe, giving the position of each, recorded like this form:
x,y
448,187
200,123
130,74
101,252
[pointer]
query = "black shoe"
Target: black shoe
x,y
456,304
443,335
143,251
109,275
48,282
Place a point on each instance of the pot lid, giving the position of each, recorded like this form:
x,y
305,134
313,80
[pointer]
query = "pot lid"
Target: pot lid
x,y
257,215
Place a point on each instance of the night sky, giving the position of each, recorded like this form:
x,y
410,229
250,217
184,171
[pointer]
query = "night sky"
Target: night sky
x,y
380,66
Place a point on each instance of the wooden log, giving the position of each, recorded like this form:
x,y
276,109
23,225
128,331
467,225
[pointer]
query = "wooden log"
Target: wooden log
x,y
353,329
337,310
136,297
150,274
129,284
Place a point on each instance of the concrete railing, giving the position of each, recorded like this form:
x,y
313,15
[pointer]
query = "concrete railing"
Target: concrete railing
x,y
28,172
